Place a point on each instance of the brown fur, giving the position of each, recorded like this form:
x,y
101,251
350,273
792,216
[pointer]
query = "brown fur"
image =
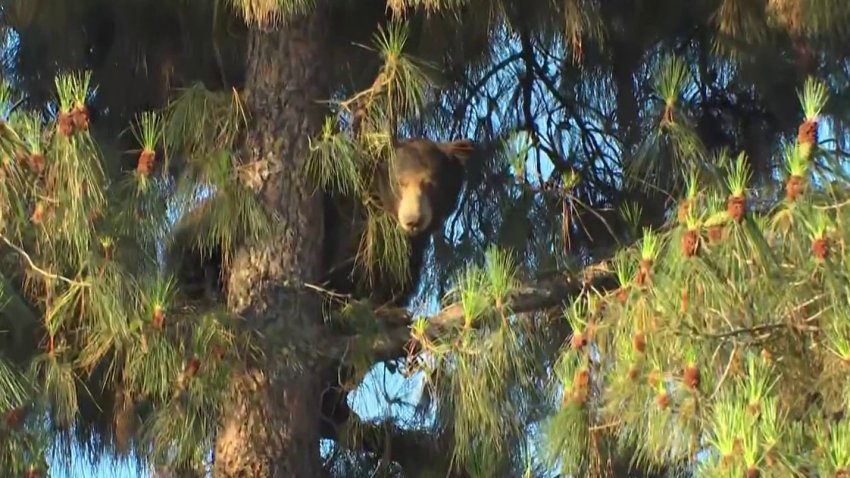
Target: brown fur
x,y
420,189
422,185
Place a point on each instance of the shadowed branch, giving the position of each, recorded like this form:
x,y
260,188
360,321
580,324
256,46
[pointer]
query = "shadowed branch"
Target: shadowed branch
x,y
412,450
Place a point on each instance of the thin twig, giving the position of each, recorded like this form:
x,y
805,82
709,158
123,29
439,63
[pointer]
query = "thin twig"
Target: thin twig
x,y
38,269
725,372
605,426
746,330
327,292
833,206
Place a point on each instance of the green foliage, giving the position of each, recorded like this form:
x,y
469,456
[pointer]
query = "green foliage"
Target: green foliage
x,y
813,98
115,326
111,324
200,127
731,345
739,176
148,130
336,164
673,145
401,81
478,373
759,307
13,392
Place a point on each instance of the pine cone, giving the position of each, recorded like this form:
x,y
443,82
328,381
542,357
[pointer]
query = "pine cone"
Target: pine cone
x,y
807,133
820,248
690,243
736,206
794,188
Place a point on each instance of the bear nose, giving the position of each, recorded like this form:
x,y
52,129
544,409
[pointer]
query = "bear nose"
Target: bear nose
x,y
411,222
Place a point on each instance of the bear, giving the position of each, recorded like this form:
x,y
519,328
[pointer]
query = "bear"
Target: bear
x,y
420,190
420,193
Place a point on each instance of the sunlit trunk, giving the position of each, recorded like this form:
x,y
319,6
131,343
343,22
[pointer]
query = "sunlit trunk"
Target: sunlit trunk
x,y
272,426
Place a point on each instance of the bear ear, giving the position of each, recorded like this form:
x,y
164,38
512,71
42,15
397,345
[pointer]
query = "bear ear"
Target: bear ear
x,y
461,150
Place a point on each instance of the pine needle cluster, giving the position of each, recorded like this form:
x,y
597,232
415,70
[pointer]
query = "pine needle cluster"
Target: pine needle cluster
x,y
118,358
724,345
724,349
126,362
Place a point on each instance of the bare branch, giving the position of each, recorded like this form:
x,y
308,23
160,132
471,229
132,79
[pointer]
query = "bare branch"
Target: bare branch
x,y
41,271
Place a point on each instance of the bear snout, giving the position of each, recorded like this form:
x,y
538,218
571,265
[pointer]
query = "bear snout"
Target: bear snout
x,y
414,214
411,223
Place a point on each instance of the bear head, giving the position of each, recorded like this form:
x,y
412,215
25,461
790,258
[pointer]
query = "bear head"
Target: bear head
x,y
421,186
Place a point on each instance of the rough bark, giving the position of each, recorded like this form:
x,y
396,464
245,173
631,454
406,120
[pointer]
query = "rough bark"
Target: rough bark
x,y
272,426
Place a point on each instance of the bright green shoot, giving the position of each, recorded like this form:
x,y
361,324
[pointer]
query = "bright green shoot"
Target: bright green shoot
x,y
624,268
739,176
162,294
470,285
838,337
661,386
576,313
692,184
671,81
570,179
795,162
728,423
839,445
716,209
501,274
106,241
419,327
757,383
694,220
813,98
819,226
769,423
751,447
649,245
72,90
148,130
31,132
404,81
691,355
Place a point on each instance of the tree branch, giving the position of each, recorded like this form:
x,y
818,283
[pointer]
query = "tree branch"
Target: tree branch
x,y
528,298
41,271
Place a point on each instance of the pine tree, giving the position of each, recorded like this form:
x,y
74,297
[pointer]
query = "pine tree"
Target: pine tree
x,y
671,299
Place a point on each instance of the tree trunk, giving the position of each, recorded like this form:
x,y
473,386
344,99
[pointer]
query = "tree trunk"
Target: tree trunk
x,y
272,426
